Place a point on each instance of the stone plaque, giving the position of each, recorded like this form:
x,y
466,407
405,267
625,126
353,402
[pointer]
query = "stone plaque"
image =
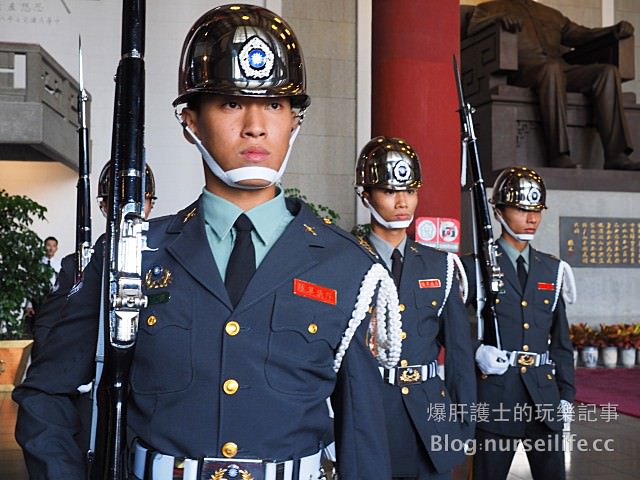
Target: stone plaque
x,y
600,242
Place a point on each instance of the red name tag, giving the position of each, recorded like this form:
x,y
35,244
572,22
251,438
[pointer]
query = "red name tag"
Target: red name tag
x,y
314,292
430,283
546,286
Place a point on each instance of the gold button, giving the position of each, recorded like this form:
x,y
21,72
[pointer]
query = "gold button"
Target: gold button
x,y
525,348
524,303
549,376
434,303
523,369
229,449
546,301
404,363
401,307
230,386
232,328
484,376
403,335
152,320
443,393
525,326
405,390
312,328
497,301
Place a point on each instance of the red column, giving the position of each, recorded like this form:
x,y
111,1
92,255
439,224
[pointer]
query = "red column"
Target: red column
x,y
414,95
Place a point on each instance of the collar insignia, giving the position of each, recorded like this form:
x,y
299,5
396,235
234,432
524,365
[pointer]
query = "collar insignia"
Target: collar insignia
x,y
311,230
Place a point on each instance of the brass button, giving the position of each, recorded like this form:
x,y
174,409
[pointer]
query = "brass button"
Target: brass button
x,y
546,301
525,348
484,376
497,301
152,320
549,376
405,390
230,386
401,307
525,325
434,303
403,335
232,328
443,393
229,450
523,369
404,363
524,303
312,328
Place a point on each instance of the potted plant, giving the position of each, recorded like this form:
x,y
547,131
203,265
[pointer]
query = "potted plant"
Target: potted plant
x,y
23,277
583,337
610,338
629,342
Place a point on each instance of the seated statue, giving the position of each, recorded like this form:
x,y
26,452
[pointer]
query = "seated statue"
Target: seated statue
x,y
544,36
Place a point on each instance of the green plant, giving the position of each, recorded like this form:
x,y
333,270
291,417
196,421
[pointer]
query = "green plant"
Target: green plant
x,y
583,335
23,276
629,335
320,210
361,230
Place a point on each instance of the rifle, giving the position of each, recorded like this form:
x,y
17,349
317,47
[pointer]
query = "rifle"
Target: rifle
x,y
83,204
485,251
122,283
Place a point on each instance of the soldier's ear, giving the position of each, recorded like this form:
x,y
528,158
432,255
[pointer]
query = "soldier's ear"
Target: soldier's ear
x,y
189,122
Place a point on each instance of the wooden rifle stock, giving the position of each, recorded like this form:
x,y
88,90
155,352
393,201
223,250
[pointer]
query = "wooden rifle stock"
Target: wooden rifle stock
x,y
122,293
485,248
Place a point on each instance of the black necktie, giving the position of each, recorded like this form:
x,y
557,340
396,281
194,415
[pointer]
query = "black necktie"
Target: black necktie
x,y
522,272
242,262
396,266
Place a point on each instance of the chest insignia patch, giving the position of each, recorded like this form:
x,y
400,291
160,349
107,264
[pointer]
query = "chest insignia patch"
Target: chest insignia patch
x,y
314,292
546,286
158,277
430,283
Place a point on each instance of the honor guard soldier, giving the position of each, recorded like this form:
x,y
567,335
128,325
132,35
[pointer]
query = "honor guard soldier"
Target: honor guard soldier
x,y
528,384
388,178
250,296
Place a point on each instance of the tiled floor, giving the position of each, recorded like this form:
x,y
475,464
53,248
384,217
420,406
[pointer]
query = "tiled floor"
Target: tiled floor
x,y
622,463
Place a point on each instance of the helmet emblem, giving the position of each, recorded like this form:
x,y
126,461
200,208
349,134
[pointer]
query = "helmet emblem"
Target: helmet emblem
x,y
402,171
534,195
256,59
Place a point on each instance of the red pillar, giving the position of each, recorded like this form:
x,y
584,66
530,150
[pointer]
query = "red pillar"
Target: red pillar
x,y
414,94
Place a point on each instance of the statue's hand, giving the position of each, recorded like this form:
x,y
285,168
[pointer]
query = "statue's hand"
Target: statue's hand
x,y
623,29
511,23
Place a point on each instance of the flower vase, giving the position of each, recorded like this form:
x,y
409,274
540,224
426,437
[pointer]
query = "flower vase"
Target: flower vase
x,y
575,357
610,356
590,356
628,357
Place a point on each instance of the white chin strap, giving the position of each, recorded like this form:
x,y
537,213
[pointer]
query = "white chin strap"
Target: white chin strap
x,y
382,221
523,237
233,178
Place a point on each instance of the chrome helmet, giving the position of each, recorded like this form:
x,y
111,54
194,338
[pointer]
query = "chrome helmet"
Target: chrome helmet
x,y
243,50
104,181
390,163
519,187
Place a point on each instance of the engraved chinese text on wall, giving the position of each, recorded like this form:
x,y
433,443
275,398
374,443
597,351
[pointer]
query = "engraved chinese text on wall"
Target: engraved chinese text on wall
x,y
600,242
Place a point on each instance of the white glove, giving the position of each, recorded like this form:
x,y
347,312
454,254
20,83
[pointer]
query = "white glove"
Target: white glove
x,y
566,409
491,361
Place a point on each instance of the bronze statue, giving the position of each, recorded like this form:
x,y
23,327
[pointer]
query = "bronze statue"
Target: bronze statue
x,y
544,35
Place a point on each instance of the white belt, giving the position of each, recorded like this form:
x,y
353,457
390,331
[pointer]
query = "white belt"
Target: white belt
x,y
410,374
528,359
167,467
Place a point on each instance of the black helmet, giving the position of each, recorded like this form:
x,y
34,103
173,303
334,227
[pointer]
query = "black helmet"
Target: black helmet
x,y
388,162
519,187
105,177
242,50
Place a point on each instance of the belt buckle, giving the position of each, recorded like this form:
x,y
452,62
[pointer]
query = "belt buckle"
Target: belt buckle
x,y
409,375
231,469
526,359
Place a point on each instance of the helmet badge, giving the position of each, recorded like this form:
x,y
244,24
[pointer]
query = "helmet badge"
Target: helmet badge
x,y
402,171
256,59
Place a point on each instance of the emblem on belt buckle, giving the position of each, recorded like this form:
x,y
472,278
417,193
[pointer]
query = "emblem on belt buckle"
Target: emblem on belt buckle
x,y
526,359
409,375
230,470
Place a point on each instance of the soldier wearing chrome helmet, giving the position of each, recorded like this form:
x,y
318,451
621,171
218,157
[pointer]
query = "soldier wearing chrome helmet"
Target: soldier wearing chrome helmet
x,y
534,368
387,179
248,330
104,190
